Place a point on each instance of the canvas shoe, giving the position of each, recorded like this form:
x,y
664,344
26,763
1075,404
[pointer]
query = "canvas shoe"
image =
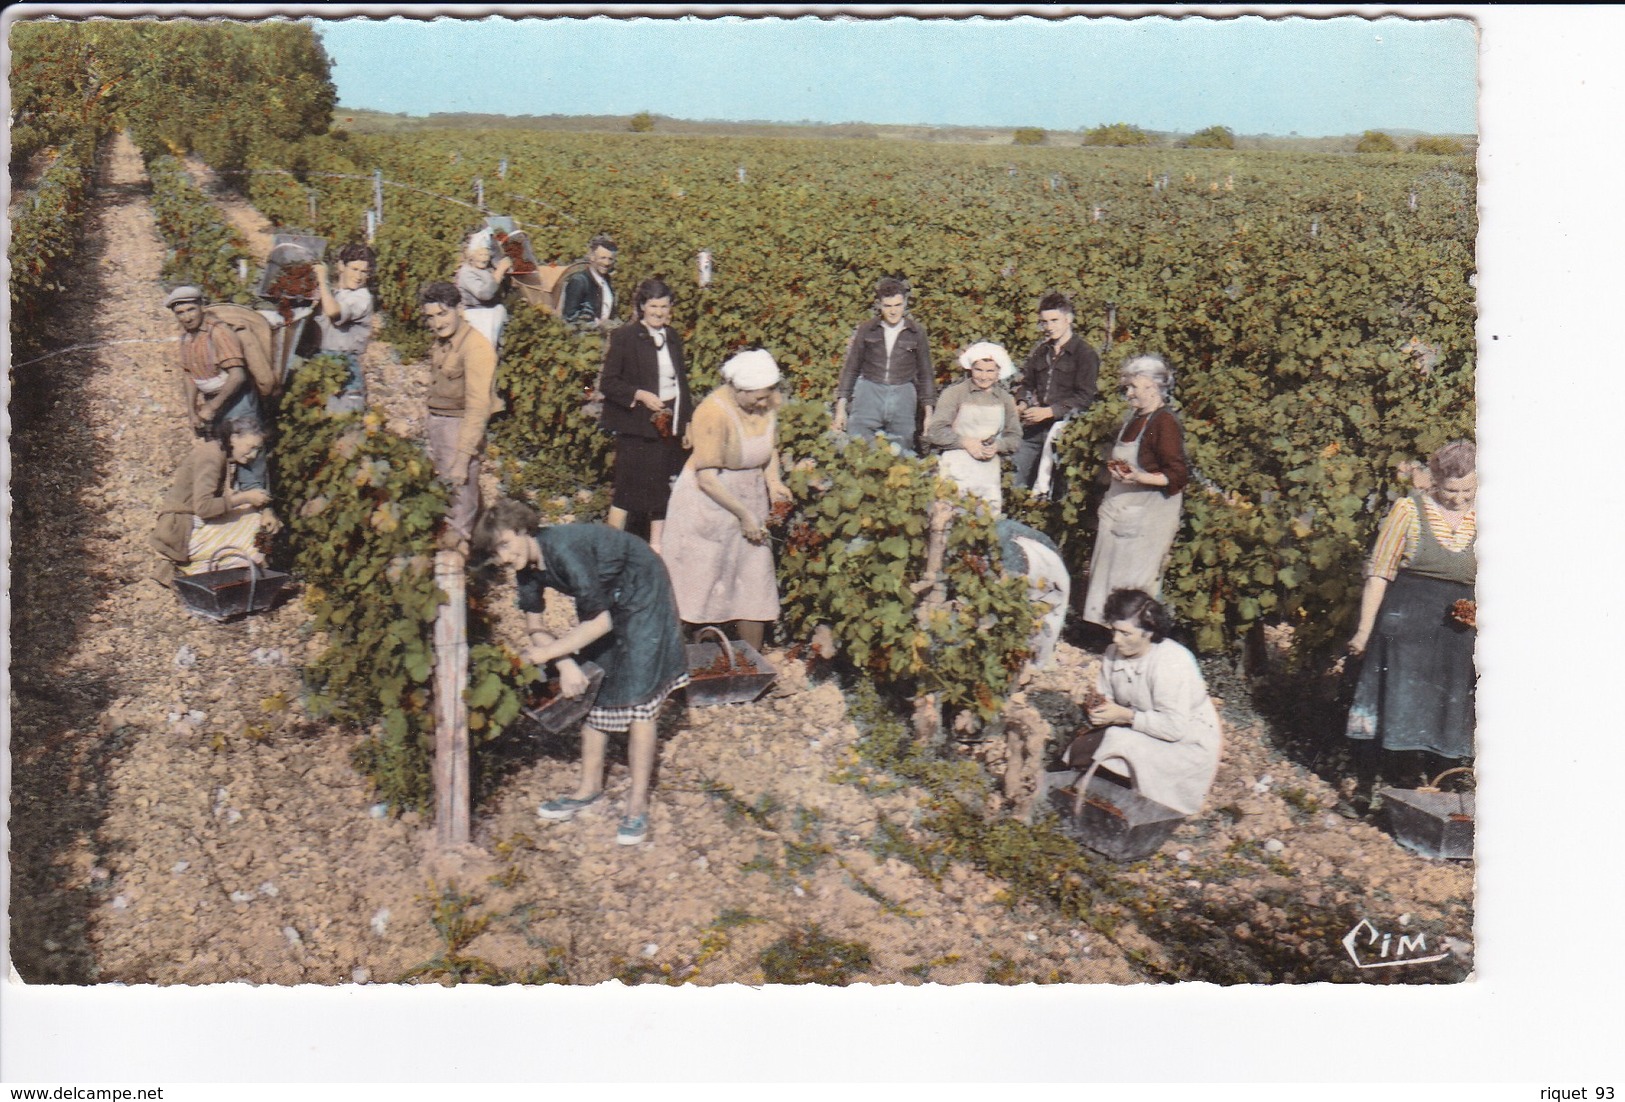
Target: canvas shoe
x,y
565,807
633,830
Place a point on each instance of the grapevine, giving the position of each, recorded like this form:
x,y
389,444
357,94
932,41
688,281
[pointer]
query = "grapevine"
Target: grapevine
x,y
1310,366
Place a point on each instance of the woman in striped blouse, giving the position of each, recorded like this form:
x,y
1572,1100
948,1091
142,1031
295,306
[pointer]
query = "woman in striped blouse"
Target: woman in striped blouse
x,y
1418,626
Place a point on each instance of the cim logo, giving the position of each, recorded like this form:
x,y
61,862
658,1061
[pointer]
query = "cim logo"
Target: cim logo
x,y
1370,947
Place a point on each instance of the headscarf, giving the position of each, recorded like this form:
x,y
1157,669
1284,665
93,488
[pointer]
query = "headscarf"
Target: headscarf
x,y
987,350
752,370
179,295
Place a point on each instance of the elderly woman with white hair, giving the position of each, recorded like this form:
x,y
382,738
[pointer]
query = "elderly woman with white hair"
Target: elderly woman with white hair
x,y
479,281
1139,516
975,421
716,522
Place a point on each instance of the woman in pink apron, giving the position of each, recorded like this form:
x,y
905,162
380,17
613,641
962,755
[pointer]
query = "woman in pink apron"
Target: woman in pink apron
x,y
716,521
1139,516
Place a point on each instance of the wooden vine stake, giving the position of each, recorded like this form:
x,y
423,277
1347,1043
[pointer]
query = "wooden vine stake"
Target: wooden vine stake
x,y
451,795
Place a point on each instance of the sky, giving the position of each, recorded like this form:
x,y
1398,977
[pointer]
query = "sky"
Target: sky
x,y
1309,76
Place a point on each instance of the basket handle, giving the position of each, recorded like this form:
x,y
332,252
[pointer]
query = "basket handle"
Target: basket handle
x,y
1433,785
1461,799
214,559
727,647
1448,772
1088,774
253,569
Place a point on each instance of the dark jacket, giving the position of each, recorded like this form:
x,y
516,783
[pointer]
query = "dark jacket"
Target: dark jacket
x,y
1067,386
910,360
583,298
630,366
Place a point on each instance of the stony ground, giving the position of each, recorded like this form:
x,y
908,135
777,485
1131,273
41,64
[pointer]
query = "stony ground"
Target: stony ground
x,y
177,820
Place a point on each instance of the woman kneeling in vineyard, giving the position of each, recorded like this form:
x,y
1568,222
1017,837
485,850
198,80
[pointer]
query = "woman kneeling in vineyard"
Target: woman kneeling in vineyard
x,y
1418,624
716,531
204,512
1139,516
1151,709
627,624
975,422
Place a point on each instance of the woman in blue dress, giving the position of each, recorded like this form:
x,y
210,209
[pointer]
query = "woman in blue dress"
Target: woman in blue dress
x,y
626,623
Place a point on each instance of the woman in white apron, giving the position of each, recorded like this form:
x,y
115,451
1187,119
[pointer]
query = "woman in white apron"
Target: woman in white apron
x,y
1152,719
1139,516
479,281
975,421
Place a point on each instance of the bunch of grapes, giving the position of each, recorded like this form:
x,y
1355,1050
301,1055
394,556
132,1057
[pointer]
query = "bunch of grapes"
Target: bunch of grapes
x,y
295,283
977,563
723,665
803,537
515,251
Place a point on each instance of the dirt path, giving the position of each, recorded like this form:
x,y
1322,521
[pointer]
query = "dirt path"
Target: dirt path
x,y
177,820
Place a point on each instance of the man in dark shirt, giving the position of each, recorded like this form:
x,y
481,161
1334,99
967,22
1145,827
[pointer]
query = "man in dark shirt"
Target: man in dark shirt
x,y
589,298
887,375
1057,381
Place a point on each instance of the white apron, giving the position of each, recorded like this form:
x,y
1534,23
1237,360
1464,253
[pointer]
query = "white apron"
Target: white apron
x,y
488,321
1137,528
975,476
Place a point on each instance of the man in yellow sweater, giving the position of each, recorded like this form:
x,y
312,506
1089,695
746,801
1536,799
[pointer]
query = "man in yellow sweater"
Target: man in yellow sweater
x,y
462,398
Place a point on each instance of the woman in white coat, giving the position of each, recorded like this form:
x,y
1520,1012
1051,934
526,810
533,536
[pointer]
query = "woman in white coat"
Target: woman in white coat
x,y
1155,720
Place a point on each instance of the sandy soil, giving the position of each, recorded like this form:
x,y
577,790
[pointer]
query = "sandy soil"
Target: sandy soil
x,y
177,820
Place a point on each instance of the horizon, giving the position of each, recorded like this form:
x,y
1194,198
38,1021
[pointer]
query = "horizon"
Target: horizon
x,y
342,109
1305,76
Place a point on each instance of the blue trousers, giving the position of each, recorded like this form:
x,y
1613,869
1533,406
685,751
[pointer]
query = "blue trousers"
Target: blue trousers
x,y
877,407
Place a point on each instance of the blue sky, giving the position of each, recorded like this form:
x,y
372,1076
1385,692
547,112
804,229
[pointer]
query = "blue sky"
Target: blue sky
x,y
1312,76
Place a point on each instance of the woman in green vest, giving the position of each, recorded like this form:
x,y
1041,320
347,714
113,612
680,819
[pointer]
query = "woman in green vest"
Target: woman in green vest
x,y
1418,627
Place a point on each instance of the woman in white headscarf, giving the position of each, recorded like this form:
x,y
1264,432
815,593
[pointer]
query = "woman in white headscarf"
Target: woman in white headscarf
x,y
975,421
716,522
479,281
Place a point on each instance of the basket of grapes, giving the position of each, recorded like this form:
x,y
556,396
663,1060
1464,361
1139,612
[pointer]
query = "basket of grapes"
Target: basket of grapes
x,y
554,713
515,245
288,276
728,671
